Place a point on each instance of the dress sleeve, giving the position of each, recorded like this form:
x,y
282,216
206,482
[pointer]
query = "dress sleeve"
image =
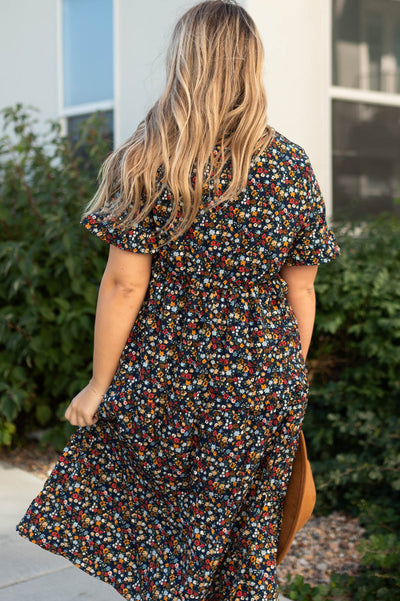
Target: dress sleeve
x,y
314,242
136,237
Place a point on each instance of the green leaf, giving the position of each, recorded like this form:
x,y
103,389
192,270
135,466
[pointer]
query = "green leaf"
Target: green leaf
x,y
9,404
43,414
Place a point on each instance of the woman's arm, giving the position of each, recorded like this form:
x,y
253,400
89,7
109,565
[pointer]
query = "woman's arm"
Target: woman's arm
x,y
301,297
122,291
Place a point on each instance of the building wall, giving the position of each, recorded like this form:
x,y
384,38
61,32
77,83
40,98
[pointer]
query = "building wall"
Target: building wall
x,y
142,33
29,51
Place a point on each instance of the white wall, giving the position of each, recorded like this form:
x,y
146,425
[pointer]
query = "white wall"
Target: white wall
x,y
142,34
296,37
28,54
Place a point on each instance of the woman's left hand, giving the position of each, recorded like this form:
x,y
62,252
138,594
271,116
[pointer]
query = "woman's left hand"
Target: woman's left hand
x,y
82,410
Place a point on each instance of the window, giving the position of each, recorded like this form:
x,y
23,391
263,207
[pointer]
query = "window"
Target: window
x,y
366,44
366,159
365,98
87,62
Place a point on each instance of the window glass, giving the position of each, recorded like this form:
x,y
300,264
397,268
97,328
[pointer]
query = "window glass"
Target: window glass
x,y
82,151
87,51
397,55
366,159
77,121
374,44
346,43
366,44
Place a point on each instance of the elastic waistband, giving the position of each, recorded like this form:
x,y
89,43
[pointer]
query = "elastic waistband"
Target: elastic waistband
x,y
197,283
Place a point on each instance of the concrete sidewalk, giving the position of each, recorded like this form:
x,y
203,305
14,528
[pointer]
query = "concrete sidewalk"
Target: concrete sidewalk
x,y
29,573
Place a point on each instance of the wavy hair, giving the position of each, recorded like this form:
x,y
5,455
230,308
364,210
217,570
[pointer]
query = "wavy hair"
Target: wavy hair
x,y
214,97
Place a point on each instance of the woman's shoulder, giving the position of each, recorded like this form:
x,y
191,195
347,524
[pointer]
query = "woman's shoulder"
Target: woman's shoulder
x,y
284,151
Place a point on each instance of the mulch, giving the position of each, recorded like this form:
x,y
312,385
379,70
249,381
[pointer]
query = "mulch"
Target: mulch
x,y
31,458
324,546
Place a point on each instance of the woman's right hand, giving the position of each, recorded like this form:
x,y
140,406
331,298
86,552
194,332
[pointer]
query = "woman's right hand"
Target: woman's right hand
x,y
82,410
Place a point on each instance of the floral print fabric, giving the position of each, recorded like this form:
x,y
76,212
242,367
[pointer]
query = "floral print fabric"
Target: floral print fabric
x,y
177,492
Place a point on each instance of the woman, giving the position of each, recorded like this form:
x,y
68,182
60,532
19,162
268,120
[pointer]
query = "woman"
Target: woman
x,y
173,485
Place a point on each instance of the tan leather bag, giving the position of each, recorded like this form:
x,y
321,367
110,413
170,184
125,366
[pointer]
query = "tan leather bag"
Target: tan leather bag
x,y
300,499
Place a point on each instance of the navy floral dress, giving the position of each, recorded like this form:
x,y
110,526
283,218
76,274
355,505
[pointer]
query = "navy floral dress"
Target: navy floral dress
x,y
177,492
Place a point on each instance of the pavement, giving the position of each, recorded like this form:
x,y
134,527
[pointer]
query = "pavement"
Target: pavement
x,y
27,572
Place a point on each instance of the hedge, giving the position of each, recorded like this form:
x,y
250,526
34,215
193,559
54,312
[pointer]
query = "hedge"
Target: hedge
x,y
49,269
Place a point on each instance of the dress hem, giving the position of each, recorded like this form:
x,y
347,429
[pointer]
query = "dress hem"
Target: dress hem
x,y
84,566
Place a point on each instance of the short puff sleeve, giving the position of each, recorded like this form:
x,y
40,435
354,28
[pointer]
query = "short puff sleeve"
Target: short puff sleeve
x,y
314,242
136,237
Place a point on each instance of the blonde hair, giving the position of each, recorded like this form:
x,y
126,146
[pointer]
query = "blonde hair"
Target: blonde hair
x,y
214,94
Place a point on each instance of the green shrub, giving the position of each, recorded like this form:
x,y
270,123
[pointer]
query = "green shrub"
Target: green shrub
x,y
49,269
352,424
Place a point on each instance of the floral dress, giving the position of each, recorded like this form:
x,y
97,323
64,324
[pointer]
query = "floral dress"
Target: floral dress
x,y
176,493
